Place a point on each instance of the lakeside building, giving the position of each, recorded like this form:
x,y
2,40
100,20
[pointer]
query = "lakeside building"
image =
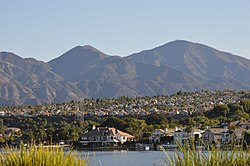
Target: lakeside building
x,y
105,136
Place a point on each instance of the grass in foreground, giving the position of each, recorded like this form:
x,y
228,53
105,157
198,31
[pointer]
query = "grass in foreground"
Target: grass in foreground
x,y
39,156
188,156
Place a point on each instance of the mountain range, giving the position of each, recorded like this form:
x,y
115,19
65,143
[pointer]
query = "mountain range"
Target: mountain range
x,y
85,72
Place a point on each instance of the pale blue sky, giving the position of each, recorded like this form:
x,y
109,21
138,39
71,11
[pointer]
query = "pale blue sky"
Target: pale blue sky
x,y
45,29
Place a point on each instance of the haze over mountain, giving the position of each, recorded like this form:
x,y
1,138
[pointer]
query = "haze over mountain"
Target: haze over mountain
x,y
85,71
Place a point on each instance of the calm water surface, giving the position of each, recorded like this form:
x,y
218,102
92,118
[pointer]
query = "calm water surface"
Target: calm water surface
x,y
126,158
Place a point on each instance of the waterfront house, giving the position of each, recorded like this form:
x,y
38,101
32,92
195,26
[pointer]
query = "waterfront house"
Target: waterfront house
x,y
178,136
157,135
231,136
213,135
123,137
227,136
184,135
105,136
238,134
12,131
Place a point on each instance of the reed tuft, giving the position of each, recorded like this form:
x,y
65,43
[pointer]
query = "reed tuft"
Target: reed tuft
x,y
40,156
187,155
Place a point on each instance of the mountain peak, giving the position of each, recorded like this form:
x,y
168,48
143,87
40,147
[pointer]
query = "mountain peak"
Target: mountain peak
x,y
78,59
179,43
89,47
198,60
81,53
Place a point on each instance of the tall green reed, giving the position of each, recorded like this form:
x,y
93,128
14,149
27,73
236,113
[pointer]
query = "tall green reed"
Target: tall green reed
x,y
40,156
187,155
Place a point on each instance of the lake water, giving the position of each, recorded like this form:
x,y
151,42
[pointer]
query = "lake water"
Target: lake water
x,y
126,158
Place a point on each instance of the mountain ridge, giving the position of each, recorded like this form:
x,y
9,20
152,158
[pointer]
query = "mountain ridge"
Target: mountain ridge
x,y
194,59
86,72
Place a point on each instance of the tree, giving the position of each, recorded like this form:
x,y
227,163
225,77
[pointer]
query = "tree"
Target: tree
x,y
246,105
156,119
115,122
28,137
135,127
40,135
1,126
219,110
191,121
233,108
243,116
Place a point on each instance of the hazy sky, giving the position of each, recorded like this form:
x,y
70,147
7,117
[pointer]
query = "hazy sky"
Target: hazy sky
x,y
45,29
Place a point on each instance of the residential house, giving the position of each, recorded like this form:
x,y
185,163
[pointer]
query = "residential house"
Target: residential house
x,y
238,134
184,112
2,113
233,124
157,135
235,135
105,136
184,135
123,137
12,131
245,125
213,135
227,136
100,113
197,133
178,136
122,113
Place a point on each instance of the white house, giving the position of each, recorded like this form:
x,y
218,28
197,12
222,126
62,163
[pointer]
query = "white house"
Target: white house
x,y
2,113
102,136
182,136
